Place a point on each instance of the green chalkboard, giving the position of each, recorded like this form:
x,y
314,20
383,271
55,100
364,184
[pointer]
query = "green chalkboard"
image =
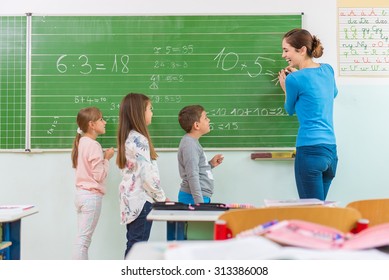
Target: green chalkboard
x,y
225,63
12,82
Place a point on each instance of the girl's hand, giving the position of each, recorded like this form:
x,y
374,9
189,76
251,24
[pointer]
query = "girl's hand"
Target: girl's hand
x,y
108,154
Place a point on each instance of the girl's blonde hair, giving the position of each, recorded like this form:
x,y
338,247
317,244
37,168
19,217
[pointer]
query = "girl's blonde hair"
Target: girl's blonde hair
x,y
84,116
132,117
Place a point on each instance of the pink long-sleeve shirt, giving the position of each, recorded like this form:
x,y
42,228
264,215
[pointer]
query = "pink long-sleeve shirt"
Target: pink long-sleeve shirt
x,y
92,168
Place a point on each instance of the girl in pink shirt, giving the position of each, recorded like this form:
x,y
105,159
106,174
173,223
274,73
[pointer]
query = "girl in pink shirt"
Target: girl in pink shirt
x,y
91,164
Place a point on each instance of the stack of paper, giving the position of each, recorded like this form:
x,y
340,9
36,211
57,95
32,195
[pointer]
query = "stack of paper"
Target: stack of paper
x,y
12,209
293,202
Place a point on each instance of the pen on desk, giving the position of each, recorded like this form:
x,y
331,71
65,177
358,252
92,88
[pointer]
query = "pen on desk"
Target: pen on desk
x,y
337,239
258,230
262,228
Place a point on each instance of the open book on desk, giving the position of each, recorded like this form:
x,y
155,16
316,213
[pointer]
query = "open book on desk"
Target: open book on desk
x,y
250,248
315,236
304,240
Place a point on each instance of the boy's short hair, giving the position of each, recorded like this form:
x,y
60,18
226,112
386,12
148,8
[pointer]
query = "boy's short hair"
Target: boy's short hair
x,y
189,115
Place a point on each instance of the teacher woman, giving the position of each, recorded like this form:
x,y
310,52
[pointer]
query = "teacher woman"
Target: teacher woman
x,y
310,90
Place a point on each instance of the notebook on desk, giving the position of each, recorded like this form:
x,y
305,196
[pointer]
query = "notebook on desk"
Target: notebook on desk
x,y
293,202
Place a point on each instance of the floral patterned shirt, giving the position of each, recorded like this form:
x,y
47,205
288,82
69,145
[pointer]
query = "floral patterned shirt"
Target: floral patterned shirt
x,y
140,182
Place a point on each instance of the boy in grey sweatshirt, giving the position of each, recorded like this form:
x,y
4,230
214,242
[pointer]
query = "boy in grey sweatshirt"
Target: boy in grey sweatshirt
x,y
194,168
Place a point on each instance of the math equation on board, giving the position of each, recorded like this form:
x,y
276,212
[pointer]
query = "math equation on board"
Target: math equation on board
x,y
363,41
168,66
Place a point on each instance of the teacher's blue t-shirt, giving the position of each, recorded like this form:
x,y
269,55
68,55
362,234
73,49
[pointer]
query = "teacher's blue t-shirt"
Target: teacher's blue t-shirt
x,y
310,93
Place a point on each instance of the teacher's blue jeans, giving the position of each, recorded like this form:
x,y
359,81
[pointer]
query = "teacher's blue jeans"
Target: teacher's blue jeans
x,y
315,167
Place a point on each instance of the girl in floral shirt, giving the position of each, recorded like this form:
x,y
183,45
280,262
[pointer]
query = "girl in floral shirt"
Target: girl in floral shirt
x,y
140,185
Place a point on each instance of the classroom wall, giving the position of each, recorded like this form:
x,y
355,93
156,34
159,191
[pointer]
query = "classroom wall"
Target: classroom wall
x,y
47,179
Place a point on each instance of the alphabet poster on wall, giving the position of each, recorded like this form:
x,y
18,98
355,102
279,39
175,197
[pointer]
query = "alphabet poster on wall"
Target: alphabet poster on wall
x,y
363,33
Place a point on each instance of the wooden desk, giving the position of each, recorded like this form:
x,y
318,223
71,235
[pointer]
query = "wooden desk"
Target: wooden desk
x,y
176,220
11,232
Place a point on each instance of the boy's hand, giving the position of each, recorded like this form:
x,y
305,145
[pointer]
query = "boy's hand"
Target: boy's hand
x,y
217,159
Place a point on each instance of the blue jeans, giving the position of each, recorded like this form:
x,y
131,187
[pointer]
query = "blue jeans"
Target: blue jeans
x,y
314,168
139,229
187,198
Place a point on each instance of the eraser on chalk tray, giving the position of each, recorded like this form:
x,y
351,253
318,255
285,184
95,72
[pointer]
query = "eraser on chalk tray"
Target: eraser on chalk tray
x,y
273,155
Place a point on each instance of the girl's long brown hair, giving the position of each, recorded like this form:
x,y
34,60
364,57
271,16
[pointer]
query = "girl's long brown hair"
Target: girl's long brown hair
x,y
132,117
84,116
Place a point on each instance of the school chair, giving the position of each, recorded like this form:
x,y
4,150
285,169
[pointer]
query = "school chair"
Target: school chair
x,y
341,218
375,210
